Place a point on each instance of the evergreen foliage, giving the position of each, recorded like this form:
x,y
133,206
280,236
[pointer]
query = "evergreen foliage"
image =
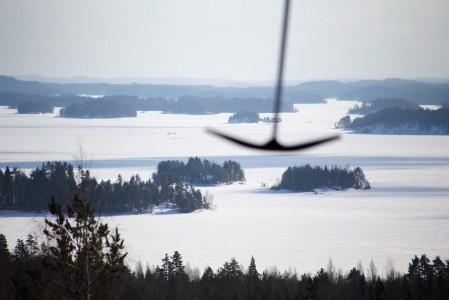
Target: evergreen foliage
x,y
57,179
307,178
58,271
31,107
401,121
98,109
244,117
198,172
86,107
86,257
379,104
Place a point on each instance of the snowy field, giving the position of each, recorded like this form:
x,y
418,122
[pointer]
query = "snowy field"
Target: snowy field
x,y
405,213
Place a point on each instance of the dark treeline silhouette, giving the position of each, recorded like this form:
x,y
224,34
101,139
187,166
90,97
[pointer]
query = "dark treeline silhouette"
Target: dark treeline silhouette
x,y
13,100
19,191
65,270
98,109
31,107
199,105
244,117
379,104
198,172
86,107
307,178
400,121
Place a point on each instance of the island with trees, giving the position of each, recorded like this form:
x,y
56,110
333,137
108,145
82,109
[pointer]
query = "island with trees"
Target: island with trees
x,y
98,109
400,121
198,172
379,104
244,117
31,107
309,179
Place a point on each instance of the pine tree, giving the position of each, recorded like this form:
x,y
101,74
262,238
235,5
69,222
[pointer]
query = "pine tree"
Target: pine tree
x,y
3,245
6,286
178,267
85,258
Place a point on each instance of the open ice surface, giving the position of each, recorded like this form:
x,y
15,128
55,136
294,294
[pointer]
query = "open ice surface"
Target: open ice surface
x,y
405,213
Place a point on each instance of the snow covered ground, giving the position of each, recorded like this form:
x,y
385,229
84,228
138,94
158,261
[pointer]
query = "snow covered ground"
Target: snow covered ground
x,y
405,213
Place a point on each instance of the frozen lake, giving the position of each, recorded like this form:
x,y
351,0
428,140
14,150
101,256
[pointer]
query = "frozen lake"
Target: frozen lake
x,y
405,213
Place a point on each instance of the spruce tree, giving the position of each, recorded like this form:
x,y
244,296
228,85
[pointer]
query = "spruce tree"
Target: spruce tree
x,y
252,270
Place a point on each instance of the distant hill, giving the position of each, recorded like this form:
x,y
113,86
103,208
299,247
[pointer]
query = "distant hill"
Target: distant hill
x,y
12,85
418,92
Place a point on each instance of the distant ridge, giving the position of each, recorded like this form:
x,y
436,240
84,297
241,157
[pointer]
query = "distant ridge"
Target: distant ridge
x,y
419,92
12,85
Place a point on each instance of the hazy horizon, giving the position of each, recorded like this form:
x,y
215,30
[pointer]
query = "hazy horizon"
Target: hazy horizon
x,y
216,82
234,41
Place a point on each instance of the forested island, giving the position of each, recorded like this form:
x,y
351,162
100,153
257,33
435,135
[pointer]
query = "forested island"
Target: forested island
x,y
80,258
198,172
379,104
98,109
171,185
244,117
308,179
400,121
31,107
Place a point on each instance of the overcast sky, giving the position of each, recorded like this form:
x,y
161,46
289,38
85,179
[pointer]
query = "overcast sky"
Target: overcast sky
x,y
224,39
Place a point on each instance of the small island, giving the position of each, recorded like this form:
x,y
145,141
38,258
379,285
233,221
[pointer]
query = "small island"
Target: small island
x,y
198,172
308,179
244,117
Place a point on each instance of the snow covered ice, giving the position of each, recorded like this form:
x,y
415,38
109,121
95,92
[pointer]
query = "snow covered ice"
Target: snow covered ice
x,y
405,213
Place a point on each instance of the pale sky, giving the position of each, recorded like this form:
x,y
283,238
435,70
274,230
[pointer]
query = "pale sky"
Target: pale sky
x,y
224,39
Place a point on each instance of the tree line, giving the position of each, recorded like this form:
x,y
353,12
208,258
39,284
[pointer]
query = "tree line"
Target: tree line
x,y
172,183
80,258
98,109
381,103
31,107
307,178
86,107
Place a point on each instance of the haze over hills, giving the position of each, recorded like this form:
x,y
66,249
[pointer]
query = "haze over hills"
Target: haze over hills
x,y
420,92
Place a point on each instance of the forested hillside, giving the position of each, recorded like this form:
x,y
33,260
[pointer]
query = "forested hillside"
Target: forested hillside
x,y
400,121
381,103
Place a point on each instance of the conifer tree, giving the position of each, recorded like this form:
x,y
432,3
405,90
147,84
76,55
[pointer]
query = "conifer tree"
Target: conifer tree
x,y
84,257
252,270
178,267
